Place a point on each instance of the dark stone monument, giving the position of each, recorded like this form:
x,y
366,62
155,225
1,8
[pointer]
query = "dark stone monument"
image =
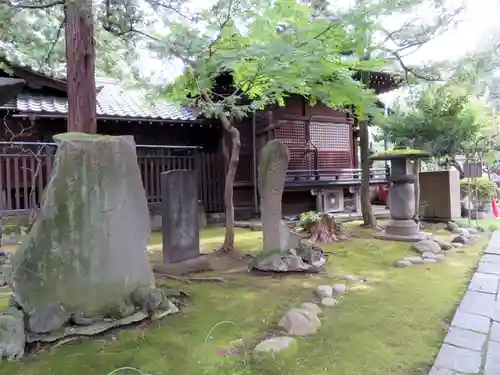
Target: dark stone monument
x,y
181,233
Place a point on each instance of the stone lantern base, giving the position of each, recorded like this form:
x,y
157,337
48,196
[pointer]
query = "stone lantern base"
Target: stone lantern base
x,y
402,230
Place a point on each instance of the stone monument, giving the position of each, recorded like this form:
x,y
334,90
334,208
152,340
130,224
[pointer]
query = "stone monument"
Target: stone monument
x,y
272,173
283,250
180,221
443,203
84,267
401,201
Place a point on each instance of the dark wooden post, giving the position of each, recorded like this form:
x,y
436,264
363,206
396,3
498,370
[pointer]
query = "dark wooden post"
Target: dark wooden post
x,y
80,56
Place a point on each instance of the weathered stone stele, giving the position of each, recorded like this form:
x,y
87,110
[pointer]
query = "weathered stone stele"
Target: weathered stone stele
x,y
272,173
283,250
87,247
181,233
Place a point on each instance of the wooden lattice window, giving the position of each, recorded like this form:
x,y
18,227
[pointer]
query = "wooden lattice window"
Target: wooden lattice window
x,y
330,136
291,133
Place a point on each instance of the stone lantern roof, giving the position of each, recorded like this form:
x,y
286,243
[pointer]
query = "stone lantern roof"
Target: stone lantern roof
x,y
400,154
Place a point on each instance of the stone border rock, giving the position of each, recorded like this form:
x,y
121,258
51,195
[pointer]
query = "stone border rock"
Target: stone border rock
x,y
472,345
433,251
304,320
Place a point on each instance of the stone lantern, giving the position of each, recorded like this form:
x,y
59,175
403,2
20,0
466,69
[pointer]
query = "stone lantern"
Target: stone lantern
x,y
401,198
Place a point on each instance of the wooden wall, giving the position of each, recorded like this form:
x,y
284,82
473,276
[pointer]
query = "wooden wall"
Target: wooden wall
x,y
295,108
17,161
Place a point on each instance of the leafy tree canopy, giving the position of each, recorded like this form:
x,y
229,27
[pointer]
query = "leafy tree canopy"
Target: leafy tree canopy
x,y
445,120
271,50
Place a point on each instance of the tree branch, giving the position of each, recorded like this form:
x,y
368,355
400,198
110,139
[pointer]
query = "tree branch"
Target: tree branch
x,y
56,39
221,28
169,6
409,70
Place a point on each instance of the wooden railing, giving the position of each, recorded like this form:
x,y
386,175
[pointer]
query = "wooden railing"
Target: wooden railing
x,y
339,174
25,169
308,165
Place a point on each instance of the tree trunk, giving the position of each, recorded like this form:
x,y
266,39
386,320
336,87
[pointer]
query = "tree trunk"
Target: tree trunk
x,y
234,134
228,244
364,148
80,55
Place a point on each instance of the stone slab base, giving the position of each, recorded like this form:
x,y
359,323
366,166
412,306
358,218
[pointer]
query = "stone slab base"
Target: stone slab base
x,y
99,327
199,264
394,237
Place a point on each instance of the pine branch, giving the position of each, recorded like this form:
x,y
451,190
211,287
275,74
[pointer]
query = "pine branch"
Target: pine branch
x,y
56,39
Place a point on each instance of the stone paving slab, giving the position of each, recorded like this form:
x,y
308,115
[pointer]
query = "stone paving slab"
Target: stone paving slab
x,y
492,365
490,258
459,359
442,371
494,244
496,313
493,250
495,332
472,345
466,339
487,267
478,303
486,283
471,322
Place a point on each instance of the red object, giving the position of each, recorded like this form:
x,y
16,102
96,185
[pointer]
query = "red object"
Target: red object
x,y
495,208
382,193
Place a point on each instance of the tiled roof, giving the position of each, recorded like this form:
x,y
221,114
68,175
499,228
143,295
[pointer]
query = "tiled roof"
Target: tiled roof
x,y
112,101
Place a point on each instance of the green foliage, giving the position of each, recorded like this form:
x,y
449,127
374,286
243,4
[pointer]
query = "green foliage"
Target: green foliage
x,y
308,220
313,222
486,146
438,119
486,189
272,51
356,337
32,34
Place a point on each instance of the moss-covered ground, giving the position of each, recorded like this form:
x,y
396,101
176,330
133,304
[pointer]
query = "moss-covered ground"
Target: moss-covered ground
x,y
393,325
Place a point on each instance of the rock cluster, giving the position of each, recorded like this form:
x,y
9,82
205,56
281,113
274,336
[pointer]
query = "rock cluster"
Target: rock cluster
x,y
302,258
304,320
5,266
433,251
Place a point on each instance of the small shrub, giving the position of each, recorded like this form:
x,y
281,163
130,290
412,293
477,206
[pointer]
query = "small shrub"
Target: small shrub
x,y
320,227
307,220
486,189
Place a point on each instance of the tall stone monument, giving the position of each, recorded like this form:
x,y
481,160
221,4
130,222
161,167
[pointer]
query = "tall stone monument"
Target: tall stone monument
x,y
402,227
85,260
180,221
283,250
272,173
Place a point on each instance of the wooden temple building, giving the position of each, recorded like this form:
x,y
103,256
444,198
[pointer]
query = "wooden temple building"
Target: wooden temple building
x,y
324,169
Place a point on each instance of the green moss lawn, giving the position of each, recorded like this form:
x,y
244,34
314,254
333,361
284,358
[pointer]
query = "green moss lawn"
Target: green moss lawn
x,y
392,325
490,225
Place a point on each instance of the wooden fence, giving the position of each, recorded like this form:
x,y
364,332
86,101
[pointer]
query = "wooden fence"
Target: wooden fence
x,y
25,169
